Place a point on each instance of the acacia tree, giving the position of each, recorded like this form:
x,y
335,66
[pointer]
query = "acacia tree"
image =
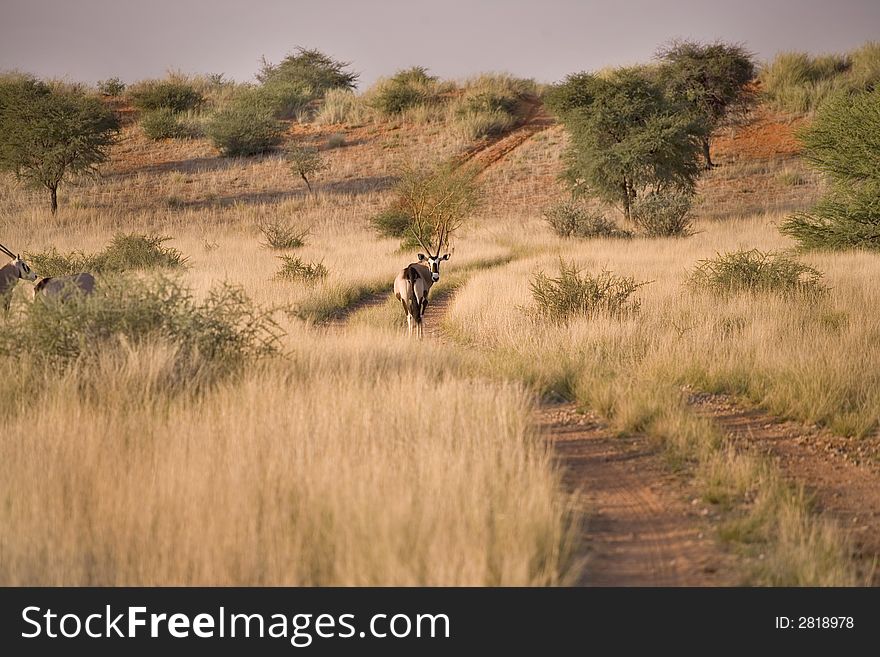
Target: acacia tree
x,y
306,162
435,204
627,136
843,142
46,135
712,78
312,69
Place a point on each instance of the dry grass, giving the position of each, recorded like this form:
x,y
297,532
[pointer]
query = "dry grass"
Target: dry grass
x,y
325,469
790,355
326,466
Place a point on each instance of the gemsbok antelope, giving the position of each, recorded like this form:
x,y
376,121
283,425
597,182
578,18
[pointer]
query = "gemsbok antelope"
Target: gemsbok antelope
x,y
63,288
10,273
412,284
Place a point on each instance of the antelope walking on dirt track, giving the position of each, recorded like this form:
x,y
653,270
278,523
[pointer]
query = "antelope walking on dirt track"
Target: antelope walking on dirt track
x,y
10,273
412,284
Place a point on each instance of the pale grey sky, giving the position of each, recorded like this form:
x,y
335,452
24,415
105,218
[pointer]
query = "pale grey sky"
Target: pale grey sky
x,y
90,40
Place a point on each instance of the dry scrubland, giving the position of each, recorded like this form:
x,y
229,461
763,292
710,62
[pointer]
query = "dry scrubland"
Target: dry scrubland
x,y
356,457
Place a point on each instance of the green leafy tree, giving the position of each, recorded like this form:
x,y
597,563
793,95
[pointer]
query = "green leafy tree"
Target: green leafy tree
x,y
311,70
46,135
843,142
627,136
713,79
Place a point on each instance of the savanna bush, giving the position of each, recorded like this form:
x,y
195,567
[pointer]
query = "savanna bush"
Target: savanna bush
x,y
281,235
663,214
575,293
165,123
125,252
571,219
111,87
294,268
174,94
404,90
245,128
221,332
756,271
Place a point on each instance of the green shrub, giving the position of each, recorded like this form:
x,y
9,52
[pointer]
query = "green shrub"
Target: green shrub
x,y
176,95
843,142
221,332
392,222
244,129
111,87
577,294
568,219
138,251
124,252
284,99
404,90
296,269
165,123
755,271
663,214
311,70
53,263
280,235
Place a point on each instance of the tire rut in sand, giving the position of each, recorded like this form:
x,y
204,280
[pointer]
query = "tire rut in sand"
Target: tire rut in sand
x,y
640,529
842,475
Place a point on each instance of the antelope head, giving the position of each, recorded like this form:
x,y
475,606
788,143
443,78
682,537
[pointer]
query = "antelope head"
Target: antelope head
x,y
433,258
21,267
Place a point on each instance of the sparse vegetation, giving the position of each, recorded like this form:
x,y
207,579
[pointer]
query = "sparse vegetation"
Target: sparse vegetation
x,y
573,219
577,294
305,162
294,268
282,235
756,271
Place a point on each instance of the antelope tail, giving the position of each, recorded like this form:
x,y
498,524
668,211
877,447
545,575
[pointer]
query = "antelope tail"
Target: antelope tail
x,y
412,301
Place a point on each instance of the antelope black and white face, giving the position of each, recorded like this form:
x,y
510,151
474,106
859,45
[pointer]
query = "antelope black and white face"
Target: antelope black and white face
x,y
433,263
24,272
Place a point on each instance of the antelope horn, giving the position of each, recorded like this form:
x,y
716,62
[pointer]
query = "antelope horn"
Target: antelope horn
x,y
419,240
440,241
8,252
